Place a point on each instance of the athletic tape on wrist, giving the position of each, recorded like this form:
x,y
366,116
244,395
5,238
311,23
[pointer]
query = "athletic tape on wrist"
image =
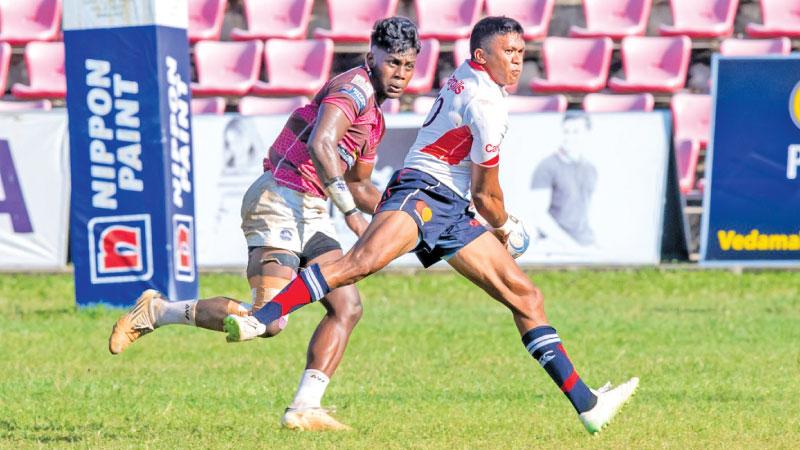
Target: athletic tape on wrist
x,y
341,196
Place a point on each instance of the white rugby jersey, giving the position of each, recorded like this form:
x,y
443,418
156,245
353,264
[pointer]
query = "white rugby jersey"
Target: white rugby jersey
x,y
465,125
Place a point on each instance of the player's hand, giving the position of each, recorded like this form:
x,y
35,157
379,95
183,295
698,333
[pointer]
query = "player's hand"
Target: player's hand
x,y
357,223
500,234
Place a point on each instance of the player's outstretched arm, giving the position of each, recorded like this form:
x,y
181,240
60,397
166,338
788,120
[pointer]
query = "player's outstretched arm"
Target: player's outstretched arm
x,y
488,196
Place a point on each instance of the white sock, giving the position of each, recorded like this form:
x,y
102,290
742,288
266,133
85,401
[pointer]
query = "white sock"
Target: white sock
x,y
312,387
175,312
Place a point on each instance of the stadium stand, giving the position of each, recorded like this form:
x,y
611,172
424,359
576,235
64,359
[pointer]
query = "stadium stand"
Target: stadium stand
x,y
752,47
352,21
574,65
205,19
687,156
36,105
536,104
779,17
447,20
534,15
425,70
653,64
614,18
23,21
594,103
253,106
295,67
226,68
691,117
5,63
390,106
208,105
45,64
701,18
267,19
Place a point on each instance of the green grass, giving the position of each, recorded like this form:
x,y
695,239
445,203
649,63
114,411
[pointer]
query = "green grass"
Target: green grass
x,y
433,364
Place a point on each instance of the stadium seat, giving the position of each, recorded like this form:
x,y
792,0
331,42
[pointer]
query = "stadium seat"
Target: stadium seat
x,y
226,68
294,67
36,105
5,64
205,19
779,17
536,104
352,21
701,18
577,65
687,155
534,15
594,103
691,117
267,19
655,64
45,64
425,70
753,47
208,105
447,20
257,106
390,106
614,18
23,21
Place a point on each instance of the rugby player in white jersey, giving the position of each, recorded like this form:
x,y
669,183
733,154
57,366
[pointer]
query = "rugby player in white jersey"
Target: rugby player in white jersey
x,y
424,209
326,147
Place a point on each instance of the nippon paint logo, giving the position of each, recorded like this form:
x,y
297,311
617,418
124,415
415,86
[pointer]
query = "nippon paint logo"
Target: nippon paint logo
x,y
794,105
120,249
183,247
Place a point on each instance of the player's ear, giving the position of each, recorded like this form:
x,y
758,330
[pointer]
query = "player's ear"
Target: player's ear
x,y
369,58
479,56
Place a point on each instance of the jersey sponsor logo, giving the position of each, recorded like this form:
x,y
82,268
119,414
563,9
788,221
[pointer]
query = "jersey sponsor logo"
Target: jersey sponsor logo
x,y
346,156
183,242
455,85
120,249
364,84
489,148
356,95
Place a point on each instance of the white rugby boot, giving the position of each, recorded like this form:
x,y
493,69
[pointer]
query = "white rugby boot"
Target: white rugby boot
x,y
137,322
311,419
609,402
242,328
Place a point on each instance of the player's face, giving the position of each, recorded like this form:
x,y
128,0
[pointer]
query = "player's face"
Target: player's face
x,y
574,139
391,72
503,58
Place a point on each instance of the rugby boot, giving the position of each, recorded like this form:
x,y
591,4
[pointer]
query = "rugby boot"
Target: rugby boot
x,y
134,324
609,402
311,419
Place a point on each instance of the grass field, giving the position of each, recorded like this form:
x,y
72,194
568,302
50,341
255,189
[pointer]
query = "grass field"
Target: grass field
x,y
433,364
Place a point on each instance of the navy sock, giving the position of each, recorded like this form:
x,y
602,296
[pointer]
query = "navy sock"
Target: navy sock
x,y
308,287
544,344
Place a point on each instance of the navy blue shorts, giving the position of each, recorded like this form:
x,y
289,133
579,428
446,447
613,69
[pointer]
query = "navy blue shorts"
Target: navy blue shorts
x,y
442,216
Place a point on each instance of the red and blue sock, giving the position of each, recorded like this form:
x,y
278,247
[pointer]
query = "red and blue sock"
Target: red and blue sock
x,y
307,288
544,344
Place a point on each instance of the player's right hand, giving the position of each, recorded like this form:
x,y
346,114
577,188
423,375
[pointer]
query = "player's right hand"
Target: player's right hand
x,y
357,223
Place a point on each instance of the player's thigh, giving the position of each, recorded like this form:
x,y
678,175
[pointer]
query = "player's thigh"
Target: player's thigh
x,y
344,301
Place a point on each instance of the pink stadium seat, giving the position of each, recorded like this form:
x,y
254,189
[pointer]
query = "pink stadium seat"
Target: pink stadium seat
x,y
614,18
578,65
655,64
701,18
266,19
205,19
258,106
226,68
208,105
295,67
534,15
691,117
593,103
536,104
352,21
447,20
780,17
687,155
390,106
37,105
23,21
5,63
752,47
425,70
45,64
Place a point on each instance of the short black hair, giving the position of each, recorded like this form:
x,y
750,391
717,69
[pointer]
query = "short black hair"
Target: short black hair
x,y
490,26
395,35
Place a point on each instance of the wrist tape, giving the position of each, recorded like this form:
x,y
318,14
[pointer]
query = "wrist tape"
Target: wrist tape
x,y
340,195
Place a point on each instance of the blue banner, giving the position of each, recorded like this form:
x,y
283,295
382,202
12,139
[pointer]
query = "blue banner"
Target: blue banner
x,y
132,215
752,200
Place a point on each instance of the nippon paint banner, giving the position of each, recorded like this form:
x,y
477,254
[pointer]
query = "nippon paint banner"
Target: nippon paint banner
x,y
590,189
34,191
752,198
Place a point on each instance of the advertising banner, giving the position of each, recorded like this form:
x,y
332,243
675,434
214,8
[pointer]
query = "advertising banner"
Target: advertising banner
x,y
752,198
34,191
128,84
